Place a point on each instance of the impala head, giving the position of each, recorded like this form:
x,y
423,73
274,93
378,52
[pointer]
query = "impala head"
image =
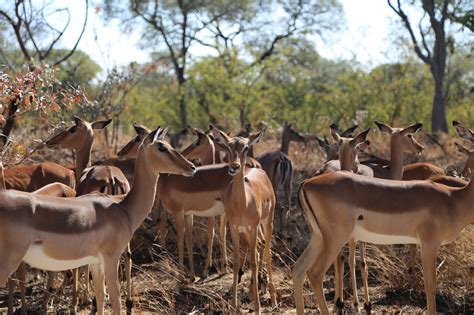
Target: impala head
x,y
161,156
350,147
175,138
332,149
131,148
78,134
245,132
202,150
463,131
403,137
291,134
236,147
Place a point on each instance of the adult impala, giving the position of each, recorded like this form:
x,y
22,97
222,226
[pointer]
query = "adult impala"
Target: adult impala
x,y
59,234
279,167
249,202
98,178
464,131
341,206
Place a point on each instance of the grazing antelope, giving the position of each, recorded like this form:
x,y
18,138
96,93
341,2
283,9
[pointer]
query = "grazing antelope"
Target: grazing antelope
x,y
279,167
94,229
342,206
98,178
249,201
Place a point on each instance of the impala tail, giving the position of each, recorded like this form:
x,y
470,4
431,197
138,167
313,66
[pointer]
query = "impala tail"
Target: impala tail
x,y
308,211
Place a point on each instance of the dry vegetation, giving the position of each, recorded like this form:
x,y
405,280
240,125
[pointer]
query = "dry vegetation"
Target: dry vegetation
x,y
159,287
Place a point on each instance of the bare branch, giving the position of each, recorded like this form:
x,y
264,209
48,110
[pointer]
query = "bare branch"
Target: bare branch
x,y
407,24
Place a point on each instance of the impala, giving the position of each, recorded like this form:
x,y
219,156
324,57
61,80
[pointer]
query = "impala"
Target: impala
x,y
279,167
90,230
98,178
348,149
331,150
249,201
469,165
341,206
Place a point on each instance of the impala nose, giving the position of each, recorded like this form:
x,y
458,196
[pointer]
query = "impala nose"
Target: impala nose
x,y
234,168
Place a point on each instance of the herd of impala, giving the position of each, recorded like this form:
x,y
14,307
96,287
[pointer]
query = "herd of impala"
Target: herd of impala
x,y
57,218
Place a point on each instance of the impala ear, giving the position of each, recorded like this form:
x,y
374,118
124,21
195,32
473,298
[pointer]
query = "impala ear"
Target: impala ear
x,y
150,138
322,143
141,130
161,134
363,146
348,132
101,124
384,127
411,129
463,131
255,138
219,134
79,121
463,149
360,137
335,135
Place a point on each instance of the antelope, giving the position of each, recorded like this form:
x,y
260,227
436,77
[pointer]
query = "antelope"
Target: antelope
x,y
184,197
341,206
347,161
55,190
97,178
331,150
463,131
93,229
249,201
469,165
279,167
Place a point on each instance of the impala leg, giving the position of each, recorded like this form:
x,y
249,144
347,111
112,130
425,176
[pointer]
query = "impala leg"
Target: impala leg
x,y
310,256
288,190
222,233
318,271
236,249
339,281
188,231
179,222
128,274
75,290
49,289
97,272
11,292
365,276
352,263
162,226
254,268
210,241
429,252
111,278
11,255
243,257
21,282
268,230
411,259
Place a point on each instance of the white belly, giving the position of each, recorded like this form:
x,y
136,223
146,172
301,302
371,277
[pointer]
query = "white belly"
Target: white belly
x,y
360,234
216,209
37,258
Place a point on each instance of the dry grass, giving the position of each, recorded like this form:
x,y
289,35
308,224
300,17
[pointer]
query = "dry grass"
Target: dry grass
x,y
159,286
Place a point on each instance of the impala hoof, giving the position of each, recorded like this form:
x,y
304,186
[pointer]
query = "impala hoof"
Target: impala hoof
x,y
241,273
368,307
129,304
339,306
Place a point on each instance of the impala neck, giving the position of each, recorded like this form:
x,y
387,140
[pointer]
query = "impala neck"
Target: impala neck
x,y
239,197
396,160
83,157
139,201
250,153
285,144
464,205
468,168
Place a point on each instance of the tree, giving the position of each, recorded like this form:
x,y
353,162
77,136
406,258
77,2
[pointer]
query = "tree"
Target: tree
x,y
439,13
36,37
183,24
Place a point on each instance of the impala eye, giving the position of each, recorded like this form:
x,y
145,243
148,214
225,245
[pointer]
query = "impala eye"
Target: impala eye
x,y
246,148
162,147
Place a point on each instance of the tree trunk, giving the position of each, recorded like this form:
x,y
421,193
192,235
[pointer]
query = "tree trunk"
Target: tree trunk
x,y
438,117
183,114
